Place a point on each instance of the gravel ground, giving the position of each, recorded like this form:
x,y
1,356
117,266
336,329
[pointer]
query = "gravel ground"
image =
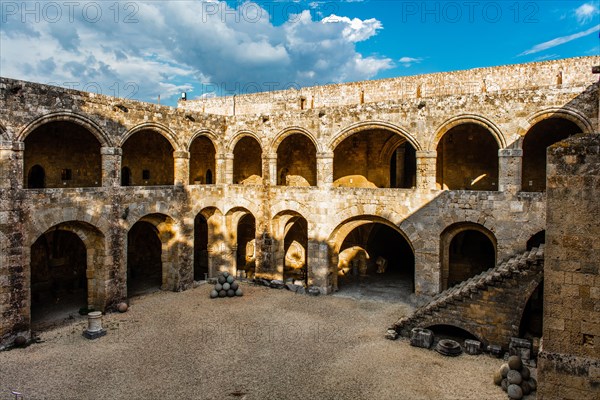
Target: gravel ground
x,y
268,344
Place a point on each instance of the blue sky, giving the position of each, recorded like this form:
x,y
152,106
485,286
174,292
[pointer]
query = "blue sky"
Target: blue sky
x,y
142,49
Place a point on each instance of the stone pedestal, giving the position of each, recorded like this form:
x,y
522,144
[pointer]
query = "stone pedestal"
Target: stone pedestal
x,y
94,329
420,337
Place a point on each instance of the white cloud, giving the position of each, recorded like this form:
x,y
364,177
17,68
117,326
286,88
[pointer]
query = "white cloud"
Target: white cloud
x,y
175,43
586,12
559,40
408,61
355,30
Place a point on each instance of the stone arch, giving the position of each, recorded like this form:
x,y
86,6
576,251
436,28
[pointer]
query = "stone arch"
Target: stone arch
x,y
230,146
212,136
296,153
547,128
570,114
67,116
203,168
164,260
362,156
248,161
454,235
46,218
464,119
454,323
241,234
290,234
148,150
293,130
344,228
166,132
467,156
96,271
369,125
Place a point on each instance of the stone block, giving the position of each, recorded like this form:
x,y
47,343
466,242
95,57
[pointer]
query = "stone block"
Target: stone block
x,y
472,347
421,338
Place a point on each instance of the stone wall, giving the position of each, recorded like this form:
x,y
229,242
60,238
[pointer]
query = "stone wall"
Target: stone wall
x,y
546,74
569,365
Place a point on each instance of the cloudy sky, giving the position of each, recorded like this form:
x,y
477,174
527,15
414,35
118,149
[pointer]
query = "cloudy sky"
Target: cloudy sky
x,y
142,49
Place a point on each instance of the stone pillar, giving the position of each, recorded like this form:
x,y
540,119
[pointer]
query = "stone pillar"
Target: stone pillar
x,y
111,166
182,167
319,271
426,169
569,361
11,164
228,169
270,169
509,170
324,169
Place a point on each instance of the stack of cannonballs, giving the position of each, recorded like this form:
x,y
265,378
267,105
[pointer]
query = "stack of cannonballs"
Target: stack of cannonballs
x,y
515,379
226,286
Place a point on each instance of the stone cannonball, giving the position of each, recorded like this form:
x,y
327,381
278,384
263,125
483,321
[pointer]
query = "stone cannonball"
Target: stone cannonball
x,y
239,292
514,362
504,368
514,392
504,384
230,279
525,373
497,378
214,294
122,307
235,285
222,279
225,274
222,293
230,293
226,286
514,377
218,287
525,388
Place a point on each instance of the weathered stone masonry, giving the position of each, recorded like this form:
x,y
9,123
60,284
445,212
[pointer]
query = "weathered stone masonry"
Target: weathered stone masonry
x,y
389,115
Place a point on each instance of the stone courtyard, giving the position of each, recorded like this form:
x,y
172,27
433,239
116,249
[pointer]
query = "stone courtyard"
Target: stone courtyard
x,y
269,344
416,202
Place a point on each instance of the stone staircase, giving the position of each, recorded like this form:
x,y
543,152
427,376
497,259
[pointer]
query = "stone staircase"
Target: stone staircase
x,y
489,305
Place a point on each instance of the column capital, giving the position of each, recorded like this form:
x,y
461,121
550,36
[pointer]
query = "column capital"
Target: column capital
x,y
270,156
510,153
181,154
426,154
111,151
324,155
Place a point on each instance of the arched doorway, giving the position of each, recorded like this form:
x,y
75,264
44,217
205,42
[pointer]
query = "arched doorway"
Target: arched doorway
x,y
246,245
62,154
36,178
374,158
144,259
543,134
149,157
375,260
200,248
58,275
467,249
66,276
295,250
297,161
532,320
467,159
202,161
247,161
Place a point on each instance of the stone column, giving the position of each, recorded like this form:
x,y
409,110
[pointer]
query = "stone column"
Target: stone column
x,y
220,166
319,273
426,169
324,169
111,166
11,164
269,163
228,168
182,167
509,170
